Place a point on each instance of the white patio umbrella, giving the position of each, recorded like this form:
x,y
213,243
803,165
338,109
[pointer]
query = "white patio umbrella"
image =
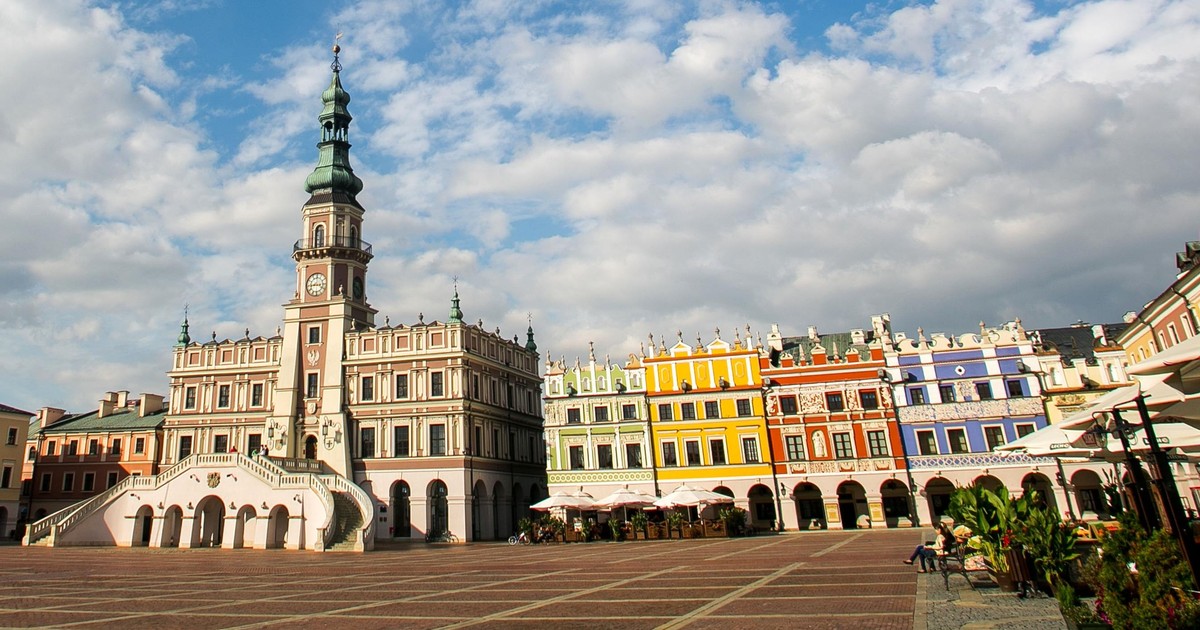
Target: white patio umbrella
x,y
1057,441
625,498
565,500
687,496
1163,394
1175,359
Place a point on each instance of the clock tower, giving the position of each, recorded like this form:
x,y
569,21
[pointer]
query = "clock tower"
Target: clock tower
x,y
330,299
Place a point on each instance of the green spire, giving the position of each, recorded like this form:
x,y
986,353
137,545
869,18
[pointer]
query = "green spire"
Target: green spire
x,y
455,311
184,337
529,344
333,171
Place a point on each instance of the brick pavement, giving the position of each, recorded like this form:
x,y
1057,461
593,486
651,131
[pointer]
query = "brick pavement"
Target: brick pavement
x,y
802,580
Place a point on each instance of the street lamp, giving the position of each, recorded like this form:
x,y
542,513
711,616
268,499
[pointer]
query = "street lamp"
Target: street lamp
x,y
1140,492
767,386
886,377
1169,492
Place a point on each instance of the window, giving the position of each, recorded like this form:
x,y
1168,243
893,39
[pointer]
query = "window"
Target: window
x,y
139,445
750,450
573,416
115,447
916,396
400,441
93,447
984,390
1014,388
743,407
314,386
795,447
691,451
869,400
1025,429
687,411
601,414
12,436
437,439
220,443
958,440
256,392
664,411
189,398
629,412
367,389
72,447
435,384
668,454
843,448
993,436
712,409
50,446
111,480
89,481
6,477
633,455
787,405
877,443
575,457
604,457
401,386
223,396
253,442
32,453
834,402
185,446
716,451
46,482
319,236
946,390
314,334
926,443
68,482
366,442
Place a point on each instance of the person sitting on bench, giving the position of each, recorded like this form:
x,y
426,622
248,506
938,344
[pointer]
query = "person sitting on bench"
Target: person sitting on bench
x,y
929,551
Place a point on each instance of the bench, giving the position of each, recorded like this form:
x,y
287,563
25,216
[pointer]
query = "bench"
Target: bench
x,y
954,560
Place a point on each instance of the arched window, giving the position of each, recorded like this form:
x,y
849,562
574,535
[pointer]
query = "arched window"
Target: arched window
x,y
353,236
319,235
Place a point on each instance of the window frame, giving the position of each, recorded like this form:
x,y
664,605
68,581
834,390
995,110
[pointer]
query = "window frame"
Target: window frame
x,y
437,440
712,409
947,392
665,411
877,443
366,388
835,402
745,408
794,447
692,454
951,432
601,449
983,390
843,444
669,447
1026,427
916,395
366,437
397,431
576,459
988,431
402,386
437,385
920,435
751,454
717,454
633,449
863,396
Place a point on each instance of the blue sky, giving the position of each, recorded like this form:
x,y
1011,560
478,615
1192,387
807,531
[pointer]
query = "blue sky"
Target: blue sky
x,y
615,169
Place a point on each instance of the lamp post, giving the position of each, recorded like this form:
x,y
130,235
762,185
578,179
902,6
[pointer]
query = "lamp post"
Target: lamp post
x,y
767,386
886,377
1062,475
1140,491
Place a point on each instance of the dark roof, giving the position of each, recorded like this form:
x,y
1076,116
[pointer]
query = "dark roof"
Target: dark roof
x,y
843,340
1076,342
119,420
21,412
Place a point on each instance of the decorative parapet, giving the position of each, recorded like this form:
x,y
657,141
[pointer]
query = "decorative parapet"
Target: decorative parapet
x,y
1003,408
975,460
842,466
584,477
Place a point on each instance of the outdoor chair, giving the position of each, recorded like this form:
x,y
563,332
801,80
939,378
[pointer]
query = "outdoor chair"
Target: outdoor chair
x,y
953,560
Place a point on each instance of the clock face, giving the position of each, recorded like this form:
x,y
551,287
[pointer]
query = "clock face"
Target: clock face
x,y
316,284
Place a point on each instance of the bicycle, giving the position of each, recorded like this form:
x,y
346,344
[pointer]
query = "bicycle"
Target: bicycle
x,y
440,537
521,538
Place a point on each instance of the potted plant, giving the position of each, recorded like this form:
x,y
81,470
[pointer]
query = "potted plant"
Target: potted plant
x,y
614,528
733,519
675,522
639,524
1143,581
1077,614
525,525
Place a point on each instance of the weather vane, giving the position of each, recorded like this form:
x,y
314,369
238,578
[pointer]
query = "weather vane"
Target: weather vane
x,y
336,66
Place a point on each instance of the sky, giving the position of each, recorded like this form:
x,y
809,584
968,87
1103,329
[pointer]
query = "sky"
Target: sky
x,y
606,170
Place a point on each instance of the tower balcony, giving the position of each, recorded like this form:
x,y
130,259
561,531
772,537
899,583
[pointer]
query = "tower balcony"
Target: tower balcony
x,y
343,246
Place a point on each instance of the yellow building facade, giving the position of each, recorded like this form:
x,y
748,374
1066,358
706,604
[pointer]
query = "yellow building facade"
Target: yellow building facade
x,y
705,405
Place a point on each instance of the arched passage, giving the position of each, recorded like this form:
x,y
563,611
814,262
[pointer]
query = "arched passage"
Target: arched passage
x,y
3,521
762,507
143,523
989,482
278,524
1089,494
207,522
852,503
310,447
478,494
894,496
518,496
244,528
439,507
499,525
810,509
937,492
172,528
1040,484
401,510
